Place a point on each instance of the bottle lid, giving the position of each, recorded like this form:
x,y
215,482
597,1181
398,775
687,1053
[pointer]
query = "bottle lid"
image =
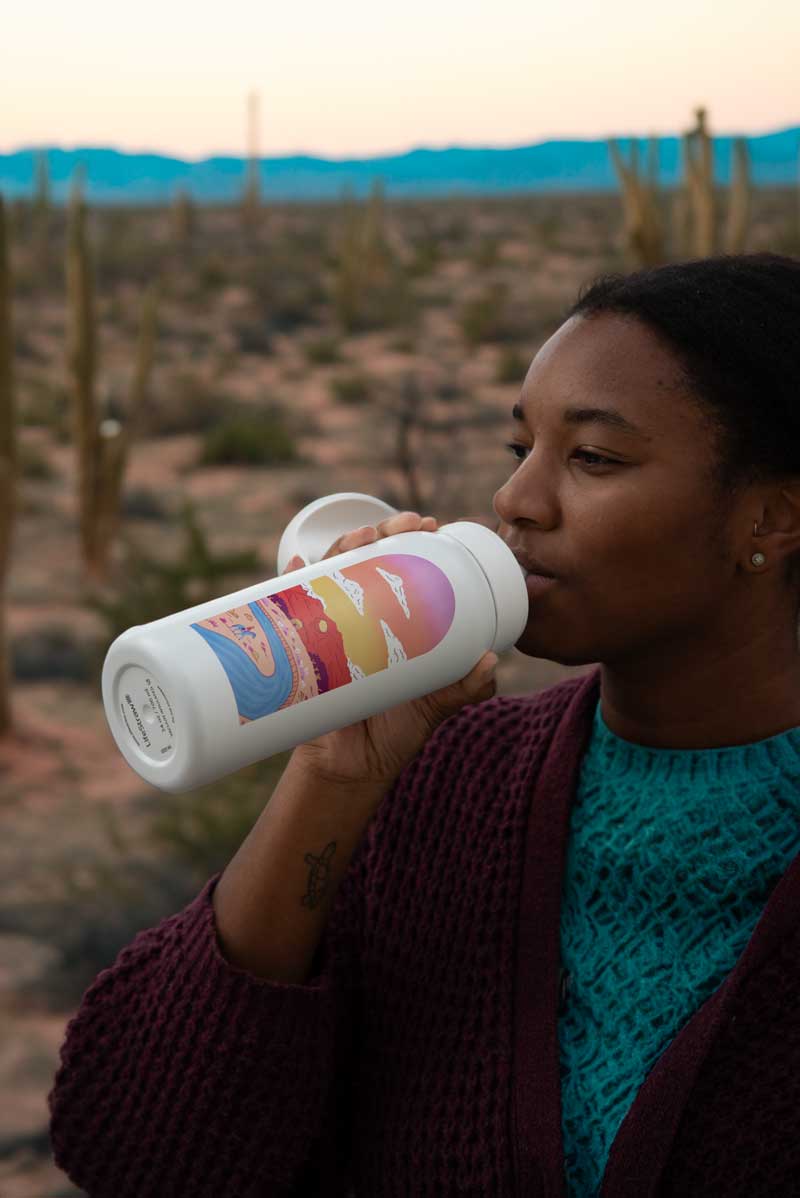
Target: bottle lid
x,y
313,530
506,578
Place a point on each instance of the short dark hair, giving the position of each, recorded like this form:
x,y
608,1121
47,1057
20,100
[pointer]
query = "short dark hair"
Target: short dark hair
x,y
733,323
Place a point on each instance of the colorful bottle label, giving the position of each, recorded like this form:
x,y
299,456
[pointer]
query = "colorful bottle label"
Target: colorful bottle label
x,y
340,627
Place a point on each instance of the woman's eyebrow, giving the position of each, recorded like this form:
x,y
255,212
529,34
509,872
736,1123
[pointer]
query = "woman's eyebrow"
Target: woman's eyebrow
x,y
608,416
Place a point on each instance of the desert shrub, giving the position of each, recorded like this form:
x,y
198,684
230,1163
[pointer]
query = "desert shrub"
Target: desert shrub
x,y
487,253
212,273
52,652
183,403
34,464
351,389
488,316
222,361
512,365
204,828
435,297
449,390
323,351
26,349
150,588
546,224
124,250
286,285
103,900
454,231
249,438
427,255
143,503
44,403
294,301
403,344
253,336
302,494
367,302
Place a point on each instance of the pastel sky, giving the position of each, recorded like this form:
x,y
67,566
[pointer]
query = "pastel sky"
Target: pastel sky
x,y
359,77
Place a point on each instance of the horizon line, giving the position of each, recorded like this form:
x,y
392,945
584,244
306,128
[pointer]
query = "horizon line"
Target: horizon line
x,y
378,154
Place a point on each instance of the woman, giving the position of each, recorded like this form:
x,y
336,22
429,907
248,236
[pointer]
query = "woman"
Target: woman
x,y
555,946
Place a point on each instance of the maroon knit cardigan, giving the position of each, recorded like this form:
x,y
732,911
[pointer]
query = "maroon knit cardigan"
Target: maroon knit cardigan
x,y
421,1056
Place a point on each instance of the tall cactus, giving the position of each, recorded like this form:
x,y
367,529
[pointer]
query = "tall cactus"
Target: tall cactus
x,y
116,438
738,199
101,445
643,224
41,216
251,196
376,234
348,286
182,217
365,259
9,465
698,157
682,214
139,399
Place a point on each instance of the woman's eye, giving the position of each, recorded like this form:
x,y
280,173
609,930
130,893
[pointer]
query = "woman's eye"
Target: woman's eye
x,y
598,459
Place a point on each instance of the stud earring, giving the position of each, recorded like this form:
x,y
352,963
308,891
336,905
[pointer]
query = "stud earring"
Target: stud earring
x,y
757,559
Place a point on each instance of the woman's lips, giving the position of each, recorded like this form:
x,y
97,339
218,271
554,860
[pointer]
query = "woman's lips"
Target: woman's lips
x,y
536,584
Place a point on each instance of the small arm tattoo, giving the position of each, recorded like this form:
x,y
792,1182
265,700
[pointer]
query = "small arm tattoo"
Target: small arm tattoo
x,y
318,875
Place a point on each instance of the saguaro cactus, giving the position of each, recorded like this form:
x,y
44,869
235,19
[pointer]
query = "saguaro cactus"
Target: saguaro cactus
x,y
8,465
100,443
42,215
116,438
643,224
139,399
698,160
365,260
251,196
738,199
183,217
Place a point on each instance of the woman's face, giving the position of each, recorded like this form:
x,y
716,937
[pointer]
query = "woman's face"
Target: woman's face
x,y
643,555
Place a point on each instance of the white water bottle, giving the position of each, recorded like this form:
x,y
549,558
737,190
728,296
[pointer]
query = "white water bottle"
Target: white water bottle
x,y
199,694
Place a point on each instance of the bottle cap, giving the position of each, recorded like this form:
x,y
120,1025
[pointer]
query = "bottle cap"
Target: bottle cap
x,y
316,526
504,574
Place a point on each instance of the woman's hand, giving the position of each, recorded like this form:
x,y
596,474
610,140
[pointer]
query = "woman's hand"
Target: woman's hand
x,y
378,749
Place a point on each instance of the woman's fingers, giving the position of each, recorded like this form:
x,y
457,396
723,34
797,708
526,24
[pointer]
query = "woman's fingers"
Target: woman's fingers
x,y
351,540
400,522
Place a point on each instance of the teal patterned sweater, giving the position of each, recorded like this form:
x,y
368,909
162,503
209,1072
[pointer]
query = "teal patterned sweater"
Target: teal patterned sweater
x,y
672,856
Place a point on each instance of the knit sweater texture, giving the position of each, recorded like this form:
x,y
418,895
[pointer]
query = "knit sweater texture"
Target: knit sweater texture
x,y
671,858
421,1056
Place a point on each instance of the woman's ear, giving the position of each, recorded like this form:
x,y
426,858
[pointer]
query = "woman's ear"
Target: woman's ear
x,y
779,528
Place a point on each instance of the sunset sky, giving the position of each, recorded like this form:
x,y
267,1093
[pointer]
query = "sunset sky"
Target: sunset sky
x,y
358,78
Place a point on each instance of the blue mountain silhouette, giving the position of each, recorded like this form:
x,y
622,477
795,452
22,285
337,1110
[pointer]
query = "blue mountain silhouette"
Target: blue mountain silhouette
x,y
112,176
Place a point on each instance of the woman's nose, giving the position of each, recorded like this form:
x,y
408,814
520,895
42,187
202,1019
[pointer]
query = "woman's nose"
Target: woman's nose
x,y
521,499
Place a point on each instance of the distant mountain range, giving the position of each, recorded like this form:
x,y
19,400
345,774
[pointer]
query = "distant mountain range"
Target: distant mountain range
x,y
552,166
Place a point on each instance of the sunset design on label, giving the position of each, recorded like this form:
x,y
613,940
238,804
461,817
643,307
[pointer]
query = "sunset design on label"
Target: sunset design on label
x,y
341,626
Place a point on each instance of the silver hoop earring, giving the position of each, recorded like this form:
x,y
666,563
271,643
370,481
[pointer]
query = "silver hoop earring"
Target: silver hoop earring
x,y
757,559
